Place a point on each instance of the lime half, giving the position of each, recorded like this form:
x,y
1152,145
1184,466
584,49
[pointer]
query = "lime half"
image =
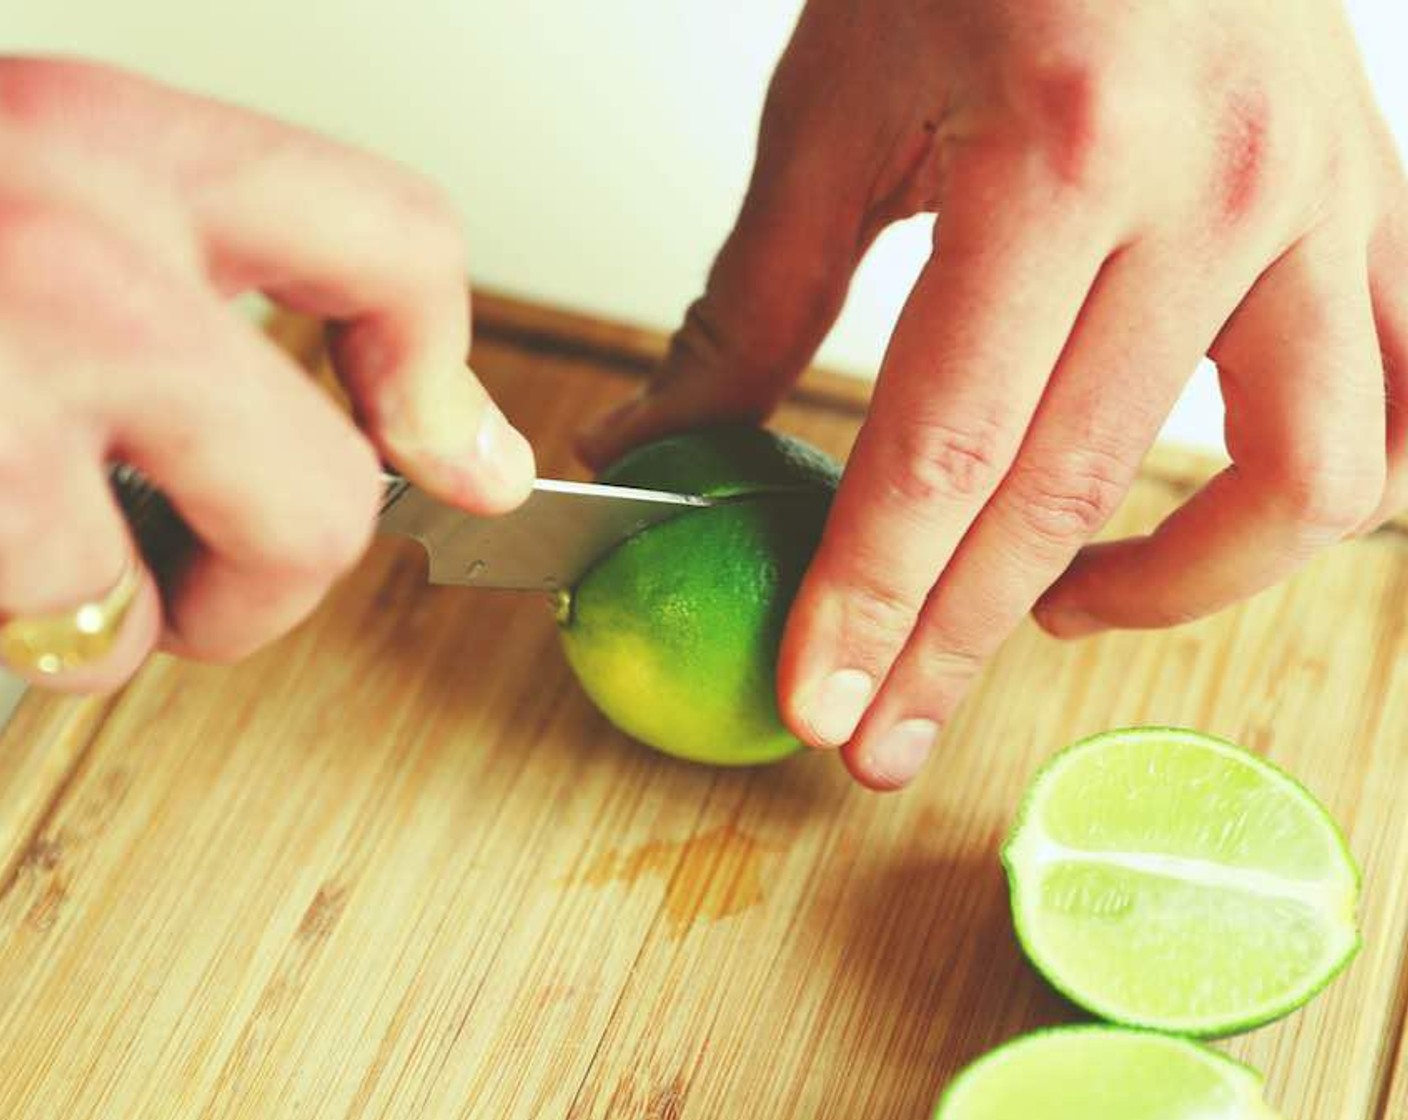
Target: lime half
x,y
1104,1073
1163,878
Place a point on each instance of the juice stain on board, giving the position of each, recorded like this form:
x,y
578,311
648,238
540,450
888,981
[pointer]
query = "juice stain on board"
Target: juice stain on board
x,y
711,876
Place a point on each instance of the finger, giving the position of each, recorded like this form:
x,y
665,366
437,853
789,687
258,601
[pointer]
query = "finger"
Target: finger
x,y
1119,375
366,244
1388,265
63,544
433,419
385,257
279,488
1306,429
953,400
780,278
325,229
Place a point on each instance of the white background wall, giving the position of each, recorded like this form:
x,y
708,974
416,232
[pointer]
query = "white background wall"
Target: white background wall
x,y
598,150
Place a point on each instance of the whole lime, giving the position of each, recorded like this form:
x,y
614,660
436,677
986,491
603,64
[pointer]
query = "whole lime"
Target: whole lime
x,y
674,634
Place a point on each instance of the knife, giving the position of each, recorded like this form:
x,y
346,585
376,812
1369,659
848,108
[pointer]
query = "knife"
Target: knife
x,y
546,544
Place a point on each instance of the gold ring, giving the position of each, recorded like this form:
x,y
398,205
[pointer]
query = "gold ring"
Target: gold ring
x,y
65,640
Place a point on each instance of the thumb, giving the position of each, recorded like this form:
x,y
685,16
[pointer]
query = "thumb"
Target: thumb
x,y
775,288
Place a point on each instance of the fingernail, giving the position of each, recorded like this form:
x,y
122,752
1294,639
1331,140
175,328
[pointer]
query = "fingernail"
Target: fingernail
x,y
834,708
903,750
502,447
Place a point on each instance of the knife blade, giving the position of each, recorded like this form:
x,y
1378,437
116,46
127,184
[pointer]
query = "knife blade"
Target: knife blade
x,y
546,544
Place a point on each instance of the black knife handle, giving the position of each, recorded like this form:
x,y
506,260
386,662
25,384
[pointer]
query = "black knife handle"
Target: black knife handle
x,y
164,540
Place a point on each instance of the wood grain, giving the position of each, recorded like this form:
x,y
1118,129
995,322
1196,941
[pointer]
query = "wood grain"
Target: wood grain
x,y
1394,1094
396,866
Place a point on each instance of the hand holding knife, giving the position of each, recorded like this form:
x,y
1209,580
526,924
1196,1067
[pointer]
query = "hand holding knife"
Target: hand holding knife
x,y
546,544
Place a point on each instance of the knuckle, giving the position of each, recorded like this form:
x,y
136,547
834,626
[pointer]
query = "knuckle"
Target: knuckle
x,y
935,672
66,266
345,537
334,532
1065,502
37,239
1332,499
951,647
735,356
340,542
948,669
935,461
877,614
1080,110
34,90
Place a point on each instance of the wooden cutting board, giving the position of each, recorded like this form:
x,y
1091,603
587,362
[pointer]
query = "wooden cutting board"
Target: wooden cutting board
x,y
397,866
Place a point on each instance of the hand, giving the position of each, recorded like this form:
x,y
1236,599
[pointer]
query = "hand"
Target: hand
x,y
1121,189
128,212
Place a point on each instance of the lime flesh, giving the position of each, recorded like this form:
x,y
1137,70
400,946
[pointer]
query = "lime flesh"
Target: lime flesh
x,y
1166,879
674,634
1104,1073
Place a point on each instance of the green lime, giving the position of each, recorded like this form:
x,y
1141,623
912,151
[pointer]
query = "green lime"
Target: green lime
x,y
1104,1073
1163,878
674,633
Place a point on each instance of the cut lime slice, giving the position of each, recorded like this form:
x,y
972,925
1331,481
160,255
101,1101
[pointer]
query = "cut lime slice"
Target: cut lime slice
x,y
1163,878
1104,1073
